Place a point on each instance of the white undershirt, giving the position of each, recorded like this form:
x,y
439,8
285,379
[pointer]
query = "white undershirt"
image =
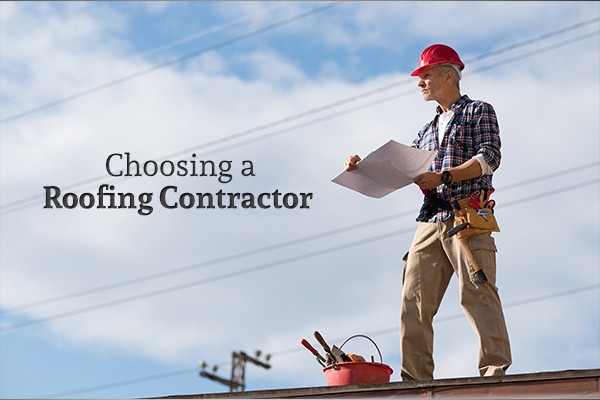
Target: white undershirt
x,y
443,120
443,123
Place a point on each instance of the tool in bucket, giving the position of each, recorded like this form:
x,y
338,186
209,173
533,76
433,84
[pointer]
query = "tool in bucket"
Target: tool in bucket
x,y
337,355
359,371
473,215
319,357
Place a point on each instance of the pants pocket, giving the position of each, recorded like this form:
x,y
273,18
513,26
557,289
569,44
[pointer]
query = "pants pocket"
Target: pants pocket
x,y
484,250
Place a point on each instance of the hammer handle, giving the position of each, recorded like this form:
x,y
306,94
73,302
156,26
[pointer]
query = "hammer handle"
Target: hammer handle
x,y
478,271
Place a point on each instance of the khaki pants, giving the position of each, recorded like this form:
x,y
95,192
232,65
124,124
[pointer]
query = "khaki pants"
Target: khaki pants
x,y
432,260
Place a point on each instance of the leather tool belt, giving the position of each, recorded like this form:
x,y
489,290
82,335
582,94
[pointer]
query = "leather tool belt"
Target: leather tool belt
x,y
472,218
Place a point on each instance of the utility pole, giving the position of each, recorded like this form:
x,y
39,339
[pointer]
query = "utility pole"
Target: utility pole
x,y
237,383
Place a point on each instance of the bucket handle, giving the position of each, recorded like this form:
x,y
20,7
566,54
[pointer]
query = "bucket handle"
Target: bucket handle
x,y
366,337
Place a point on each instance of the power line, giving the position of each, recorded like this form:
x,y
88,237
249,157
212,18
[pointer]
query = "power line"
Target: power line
x,y
297,349
442,319
536,39
204,264
203,281
174,61
550,176
538,51
18,205
252,34
260,250
355,108
127,382
205,32
21,204
257,268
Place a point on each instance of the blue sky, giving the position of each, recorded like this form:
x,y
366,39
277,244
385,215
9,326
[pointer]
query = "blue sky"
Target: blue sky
x,y
345,281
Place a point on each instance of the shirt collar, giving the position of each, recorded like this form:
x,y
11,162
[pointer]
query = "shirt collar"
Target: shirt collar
x,y
462,100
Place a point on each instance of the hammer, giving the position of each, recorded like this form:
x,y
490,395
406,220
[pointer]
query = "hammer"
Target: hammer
x,y
481,278
459,231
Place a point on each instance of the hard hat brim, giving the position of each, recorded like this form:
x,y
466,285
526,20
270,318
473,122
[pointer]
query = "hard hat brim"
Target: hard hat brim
x,y
419,71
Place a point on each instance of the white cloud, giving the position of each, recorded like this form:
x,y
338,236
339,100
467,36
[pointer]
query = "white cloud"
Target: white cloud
x,y
271,68
47,48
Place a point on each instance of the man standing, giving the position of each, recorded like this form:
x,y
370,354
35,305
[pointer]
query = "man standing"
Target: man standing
x,y
466,135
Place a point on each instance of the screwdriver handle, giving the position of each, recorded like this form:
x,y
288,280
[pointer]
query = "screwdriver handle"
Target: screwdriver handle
x,y
306,344
322,342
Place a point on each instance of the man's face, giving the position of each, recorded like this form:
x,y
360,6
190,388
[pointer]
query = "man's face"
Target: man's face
x,y
431,83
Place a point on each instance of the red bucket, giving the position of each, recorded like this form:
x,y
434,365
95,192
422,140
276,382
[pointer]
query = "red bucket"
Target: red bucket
x,y
356,373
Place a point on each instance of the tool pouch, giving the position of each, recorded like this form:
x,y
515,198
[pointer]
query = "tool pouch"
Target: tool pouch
x,y
476,224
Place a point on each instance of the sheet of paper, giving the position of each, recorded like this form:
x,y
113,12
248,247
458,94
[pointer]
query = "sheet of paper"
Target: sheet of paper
x,y
390,167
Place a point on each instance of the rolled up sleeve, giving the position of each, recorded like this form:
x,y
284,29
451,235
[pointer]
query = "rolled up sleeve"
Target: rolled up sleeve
x,y
487,134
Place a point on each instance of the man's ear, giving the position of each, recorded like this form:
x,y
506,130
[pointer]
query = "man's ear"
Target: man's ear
x,y
449,77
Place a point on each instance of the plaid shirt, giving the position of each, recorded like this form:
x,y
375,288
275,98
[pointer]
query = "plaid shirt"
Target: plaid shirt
x,y
472,130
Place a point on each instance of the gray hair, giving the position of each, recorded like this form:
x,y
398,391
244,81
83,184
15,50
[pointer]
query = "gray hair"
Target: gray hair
x,y
454,69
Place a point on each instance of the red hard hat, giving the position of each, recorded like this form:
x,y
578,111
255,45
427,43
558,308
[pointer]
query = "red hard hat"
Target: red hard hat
x,y
437,54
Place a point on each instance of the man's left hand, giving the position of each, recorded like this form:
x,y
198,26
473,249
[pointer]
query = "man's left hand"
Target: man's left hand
x,y
429,180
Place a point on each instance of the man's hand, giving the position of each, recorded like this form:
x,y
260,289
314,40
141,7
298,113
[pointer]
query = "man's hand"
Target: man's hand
x,y
429,180
352,163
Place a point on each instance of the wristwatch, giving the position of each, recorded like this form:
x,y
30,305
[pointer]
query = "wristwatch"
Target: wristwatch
x,y
446,177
